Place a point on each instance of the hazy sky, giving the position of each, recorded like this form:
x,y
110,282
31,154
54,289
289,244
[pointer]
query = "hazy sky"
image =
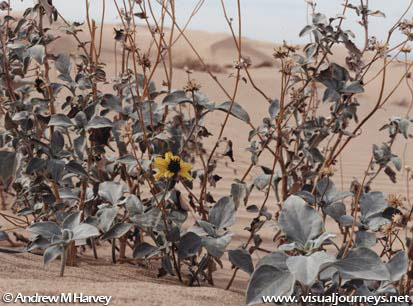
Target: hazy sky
x,y
271,20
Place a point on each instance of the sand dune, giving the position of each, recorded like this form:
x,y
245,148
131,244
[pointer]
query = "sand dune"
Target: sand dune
x,y
130,284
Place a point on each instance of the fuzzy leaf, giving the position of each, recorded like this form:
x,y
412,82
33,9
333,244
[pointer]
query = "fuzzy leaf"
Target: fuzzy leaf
x,y
372,204
268,280
38,53
300,222
111,191
222,215
175,98
362,263
237,111
398,266
241,259
51,253
189,245
216,246
84,231
306,268
274,108
144,250
45,229
117,231
60,120
72,221
7,166
62,63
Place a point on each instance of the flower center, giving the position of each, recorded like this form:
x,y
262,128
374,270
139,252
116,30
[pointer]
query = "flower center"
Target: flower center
x,y
174,166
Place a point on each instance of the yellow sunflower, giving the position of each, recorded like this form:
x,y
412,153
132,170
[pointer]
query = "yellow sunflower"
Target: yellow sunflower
x,y
171,166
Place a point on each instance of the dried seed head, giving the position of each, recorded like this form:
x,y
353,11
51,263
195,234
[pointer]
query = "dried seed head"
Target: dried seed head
x,y
395,200
192,86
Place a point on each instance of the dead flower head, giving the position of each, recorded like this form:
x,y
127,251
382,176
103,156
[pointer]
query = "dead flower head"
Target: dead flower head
x,y
395,200
192,86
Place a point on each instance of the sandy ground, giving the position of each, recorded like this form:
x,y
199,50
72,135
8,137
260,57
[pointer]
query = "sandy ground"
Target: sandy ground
x,y
130,285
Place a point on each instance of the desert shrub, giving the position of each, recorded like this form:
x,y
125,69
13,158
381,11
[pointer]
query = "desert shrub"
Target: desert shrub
x,y
87,164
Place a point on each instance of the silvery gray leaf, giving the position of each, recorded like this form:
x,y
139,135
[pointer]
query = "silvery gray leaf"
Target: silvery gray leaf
x,y
353,88
106,216
347,221
84,231
320,240
148,219
276,259
290,246
38,53
216,246
238,193
305,268
189,245
261,181
175,98
8,164
68,194
365,239
274,108
60,120
111,191
306,30
134,205
62,63
111,102
372,204
74,167
268,280
72,220
300,222
79,146
46,229
398,265
320,19
222,215
335,210
362,263
51,253
117,231
207,227
237,111
98,122
404,127
144,250
56,167
376,222
58,142
241,259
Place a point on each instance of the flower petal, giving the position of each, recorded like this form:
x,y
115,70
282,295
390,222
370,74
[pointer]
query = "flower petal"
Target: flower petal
x,y
160,163
168,156
185,174
159,175
184,166
169,174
